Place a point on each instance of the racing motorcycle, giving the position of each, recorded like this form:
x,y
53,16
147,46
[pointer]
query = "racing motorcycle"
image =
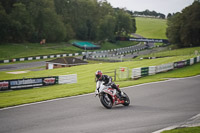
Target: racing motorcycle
x,y
110,97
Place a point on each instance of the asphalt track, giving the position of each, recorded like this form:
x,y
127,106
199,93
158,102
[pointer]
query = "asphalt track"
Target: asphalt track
x,y
153,106
22,66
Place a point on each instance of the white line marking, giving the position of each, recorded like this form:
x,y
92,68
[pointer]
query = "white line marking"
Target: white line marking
x,y
28,104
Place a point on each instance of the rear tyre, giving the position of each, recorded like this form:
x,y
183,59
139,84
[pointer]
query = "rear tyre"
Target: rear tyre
x,y
126,100
106,101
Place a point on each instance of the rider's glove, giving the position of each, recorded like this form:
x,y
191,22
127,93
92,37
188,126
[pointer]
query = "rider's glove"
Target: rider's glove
x,y
109,84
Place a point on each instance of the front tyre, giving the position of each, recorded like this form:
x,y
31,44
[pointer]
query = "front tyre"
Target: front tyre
x,y
106,100
126,100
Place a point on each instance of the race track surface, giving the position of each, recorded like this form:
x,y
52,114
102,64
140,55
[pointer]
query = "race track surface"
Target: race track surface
x,y
153,106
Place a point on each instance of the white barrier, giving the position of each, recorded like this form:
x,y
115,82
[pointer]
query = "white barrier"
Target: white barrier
x,y
152,70
67,79
21,59
45,57
30,58
164,67
6,61
37,58
198,58
136,73
191,61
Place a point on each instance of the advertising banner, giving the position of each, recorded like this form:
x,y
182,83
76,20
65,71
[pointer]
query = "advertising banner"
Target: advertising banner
x,y
144,71
67,79
50,81
4,85
180,64
142,39
27,83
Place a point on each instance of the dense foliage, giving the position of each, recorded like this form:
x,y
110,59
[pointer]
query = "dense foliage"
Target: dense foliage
x,y
184,28
149,13
61,20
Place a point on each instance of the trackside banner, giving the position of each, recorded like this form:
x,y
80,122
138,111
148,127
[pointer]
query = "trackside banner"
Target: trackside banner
x,y
27,83
142,39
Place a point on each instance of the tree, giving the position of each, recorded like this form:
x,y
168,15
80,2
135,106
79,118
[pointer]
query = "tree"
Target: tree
x,y
184,28
124,24
61,20
107,28
21,24
169,15
8,5
48,25
173,29
4,24
150,13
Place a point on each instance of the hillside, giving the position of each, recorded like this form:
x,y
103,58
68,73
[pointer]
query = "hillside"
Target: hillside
x,y
147,27
86,82
151,27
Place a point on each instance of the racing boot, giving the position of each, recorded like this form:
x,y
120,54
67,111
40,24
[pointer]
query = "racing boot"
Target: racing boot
x,y
121,95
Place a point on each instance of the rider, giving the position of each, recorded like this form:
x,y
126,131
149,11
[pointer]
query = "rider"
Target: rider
x,y
107,81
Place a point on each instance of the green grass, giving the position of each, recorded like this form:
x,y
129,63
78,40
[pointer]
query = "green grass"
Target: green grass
x,y
151,27
108,45
86,82
10,51
184,130
176,52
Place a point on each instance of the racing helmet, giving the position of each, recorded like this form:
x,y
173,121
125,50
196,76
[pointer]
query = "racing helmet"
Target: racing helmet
x,y
98,74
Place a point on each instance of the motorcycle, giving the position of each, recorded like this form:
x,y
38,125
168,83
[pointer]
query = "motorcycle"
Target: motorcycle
x,y
110,97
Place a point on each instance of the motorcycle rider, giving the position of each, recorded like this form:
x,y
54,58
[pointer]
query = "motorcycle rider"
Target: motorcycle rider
x,y
107,81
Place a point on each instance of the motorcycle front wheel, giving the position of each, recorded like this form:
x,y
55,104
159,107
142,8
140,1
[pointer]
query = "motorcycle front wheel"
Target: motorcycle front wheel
x,y
127,100
106,101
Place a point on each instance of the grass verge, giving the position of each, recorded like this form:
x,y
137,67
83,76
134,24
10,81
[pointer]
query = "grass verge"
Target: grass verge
x,y
184,130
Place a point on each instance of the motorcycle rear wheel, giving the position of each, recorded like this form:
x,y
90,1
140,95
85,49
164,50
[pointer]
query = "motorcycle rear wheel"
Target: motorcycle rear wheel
x,y
127,100
106,101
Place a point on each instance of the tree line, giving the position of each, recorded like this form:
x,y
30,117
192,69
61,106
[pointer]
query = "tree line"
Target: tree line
x,y
184,28
62,20
149,13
